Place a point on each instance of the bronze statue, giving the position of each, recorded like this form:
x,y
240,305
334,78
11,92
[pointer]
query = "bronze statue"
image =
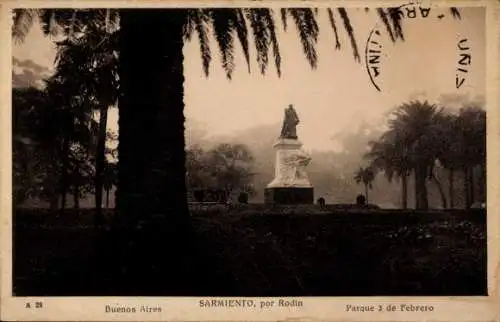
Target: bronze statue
x,y
289,128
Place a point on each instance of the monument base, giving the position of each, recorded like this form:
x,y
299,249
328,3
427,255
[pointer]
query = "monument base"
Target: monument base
x,y
289,195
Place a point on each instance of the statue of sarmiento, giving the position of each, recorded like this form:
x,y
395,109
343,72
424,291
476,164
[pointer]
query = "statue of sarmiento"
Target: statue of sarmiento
x,y
291,184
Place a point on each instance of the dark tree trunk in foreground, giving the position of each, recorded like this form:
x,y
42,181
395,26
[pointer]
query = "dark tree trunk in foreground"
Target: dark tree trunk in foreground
x,y
151,171
468,201
153,231
107,198
484,181
64,183
404,191
53,203
101,145
471,186
420,187
76,199
451,187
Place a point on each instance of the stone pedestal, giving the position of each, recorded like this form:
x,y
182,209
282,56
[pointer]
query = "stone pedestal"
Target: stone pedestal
x,y
291,184
289,196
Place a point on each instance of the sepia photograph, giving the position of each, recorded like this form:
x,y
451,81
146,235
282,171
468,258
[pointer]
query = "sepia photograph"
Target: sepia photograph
x,y
229,153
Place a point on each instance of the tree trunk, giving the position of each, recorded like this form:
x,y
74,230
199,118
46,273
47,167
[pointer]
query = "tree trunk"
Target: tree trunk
x,y
107,198
366,193
404,191
451,187
100,162
151,147
420,187
441,191
76,199
64,183
63,200
54,200
468,202
151,186
483,183
471,186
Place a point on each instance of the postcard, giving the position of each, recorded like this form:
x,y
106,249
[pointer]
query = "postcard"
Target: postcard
x,y
250,160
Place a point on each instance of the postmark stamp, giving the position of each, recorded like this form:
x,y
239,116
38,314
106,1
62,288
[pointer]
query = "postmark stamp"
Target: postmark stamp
x,y
379,44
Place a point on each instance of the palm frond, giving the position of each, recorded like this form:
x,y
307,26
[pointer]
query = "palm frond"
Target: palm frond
x,y
395,17
283,13
334,27
107,20
264,34
222,20
52,27
260,35
273,39
455,13
383,16
202,29
198,20
23,20
308,32
189,25
350,32
72,24
242,32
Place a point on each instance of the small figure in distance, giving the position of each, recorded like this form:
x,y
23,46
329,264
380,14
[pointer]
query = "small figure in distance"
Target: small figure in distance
x,y
321,202
360,200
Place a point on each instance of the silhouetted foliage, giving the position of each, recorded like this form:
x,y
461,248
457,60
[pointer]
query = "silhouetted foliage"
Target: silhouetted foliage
x,y
421,135
227,167
360,200
243,198
365,176
51,145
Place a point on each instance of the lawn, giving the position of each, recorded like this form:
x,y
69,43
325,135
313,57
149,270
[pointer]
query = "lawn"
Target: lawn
x,y
257,251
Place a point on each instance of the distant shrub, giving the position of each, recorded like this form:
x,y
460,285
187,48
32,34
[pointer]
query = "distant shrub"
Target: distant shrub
x,y
321,202
243,198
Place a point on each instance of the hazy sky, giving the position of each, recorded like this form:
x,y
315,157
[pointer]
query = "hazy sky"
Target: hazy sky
x,y
338,95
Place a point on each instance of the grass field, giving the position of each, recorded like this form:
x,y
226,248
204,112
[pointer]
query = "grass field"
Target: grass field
x,y
257,251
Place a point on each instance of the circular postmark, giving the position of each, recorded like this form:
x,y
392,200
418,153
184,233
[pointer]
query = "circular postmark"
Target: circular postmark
x,y
390,30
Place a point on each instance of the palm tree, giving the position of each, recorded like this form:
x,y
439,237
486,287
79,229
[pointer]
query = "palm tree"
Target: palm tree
x,y
471,123
93,57
109,179
151,80
68,127
389,155
415,125
449,150
365,176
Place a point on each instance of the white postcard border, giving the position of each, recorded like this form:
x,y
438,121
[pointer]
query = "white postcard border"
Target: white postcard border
x,y
485,308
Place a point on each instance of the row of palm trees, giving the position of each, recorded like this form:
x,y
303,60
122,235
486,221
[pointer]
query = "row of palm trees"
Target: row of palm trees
x,y
421,137
145,52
